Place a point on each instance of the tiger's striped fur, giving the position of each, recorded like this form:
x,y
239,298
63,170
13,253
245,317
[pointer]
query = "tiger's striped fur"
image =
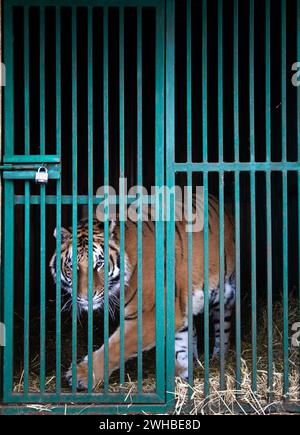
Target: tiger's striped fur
x,y
148,264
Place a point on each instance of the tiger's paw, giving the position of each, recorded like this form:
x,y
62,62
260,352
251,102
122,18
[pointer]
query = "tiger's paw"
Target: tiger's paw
x,y
82,376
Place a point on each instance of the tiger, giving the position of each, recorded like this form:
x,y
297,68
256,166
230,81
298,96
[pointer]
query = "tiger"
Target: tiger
x,y
148,286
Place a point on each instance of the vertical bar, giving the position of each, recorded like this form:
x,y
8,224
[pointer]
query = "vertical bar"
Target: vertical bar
x,y
268,202
58,204
42,209
221,193
26,80
205,186
140,183
27,206
26,285
9,287
159,202
74,199
222,275
252,197
8,239
237,192
122,192
189,192
90,199
298,156
284,204
106,183
170,140
220,78
251,80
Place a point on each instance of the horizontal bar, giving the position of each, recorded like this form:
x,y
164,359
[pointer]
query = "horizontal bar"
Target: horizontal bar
x,y
26,166
235,166
64,3
90,409
81,200
110,397
53,174
32,158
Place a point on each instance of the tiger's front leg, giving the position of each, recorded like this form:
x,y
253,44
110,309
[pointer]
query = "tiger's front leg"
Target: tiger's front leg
x,y
130,350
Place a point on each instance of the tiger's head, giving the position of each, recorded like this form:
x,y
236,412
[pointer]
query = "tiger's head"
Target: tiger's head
x,y
82,262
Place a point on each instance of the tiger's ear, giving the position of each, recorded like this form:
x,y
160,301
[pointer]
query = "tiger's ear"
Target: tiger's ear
x,y
65,234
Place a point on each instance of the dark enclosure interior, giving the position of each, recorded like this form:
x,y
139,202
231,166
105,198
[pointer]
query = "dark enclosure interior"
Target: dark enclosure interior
x,y
149,134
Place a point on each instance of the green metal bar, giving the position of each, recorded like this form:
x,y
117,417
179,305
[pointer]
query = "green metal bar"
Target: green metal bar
x,y
238,338
67,199
189,193
58,205
26,81
268,81
206,285
42,81
159,182
269,284
9,287
284,204
9,88
170,180
268,202
251,80
237,193
82,3
285,286
27,205
74,197
221,192
253,280
87,398
290,407
42,210
241,166
8,240
122,193
106,183
220,78
298,155
252,198
29,175
33,158
42,290
140,183
26,285
205,186
90,199
222,277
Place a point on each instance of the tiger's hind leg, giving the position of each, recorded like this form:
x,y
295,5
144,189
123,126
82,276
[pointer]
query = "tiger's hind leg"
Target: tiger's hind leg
x,y
229,300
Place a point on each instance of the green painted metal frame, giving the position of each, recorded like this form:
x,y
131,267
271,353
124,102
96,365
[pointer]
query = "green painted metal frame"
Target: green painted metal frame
x,y
24,167
165,119
252,167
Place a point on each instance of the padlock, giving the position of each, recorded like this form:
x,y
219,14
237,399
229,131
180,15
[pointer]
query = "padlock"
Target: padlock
x,y
41,176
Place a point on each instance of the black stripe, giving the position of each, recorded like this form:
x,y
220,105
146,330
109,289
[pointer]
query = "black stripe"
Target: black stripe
x,y
131,317
180,239
149,226
132,297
